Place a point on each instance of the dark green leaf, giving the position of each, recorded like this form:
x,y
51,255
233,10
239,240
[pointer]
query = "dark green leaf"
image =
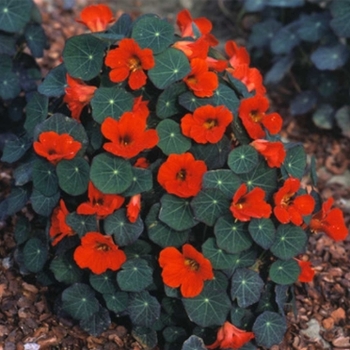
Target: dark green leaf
x,y
110,102
142,181
290,240
15,149
210,308
110,174
176,212
171,65
295,162
35,254
82,224
122,25
17,199
314,26
303,102
284,271
124,232
135,275
225,96
23,172
246,287
323,117
162,234
14,15
219,258
285,40
341,17
7,44
65,269
279,69
83,56
116,302
22,230
263,32
79,301
44,205
36,39
146,337
73,175
231,235
97,322
36,111
262,231
242,159
143,309
191,102
55,82
173,334
330,57
171,139
44,177
269,329
154,33
219,282
104,283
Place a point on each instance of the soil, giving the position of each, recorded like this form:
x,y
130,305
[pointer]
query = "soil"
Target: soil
x,y
322,320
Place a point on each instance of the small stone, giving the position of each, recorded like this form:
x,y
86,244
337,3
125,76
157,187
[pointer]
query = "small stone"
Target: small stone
x,y
328,323
342,342
338,315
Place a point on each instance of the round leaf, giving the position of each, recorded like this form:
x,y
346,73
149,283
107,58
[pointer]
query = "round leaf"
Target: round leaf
x,y
143,309
330,57
191,102
231,235
262,231
43,205
341,17
9,85
210,308
162,234
79,301
135,275
246,286
269,329
226,96
124,232
171,65
97,322
111,175
82,224
153,33
14,15
284,271
303,102
142,181
295,162
290,240
73,175
208,205
36,111
116,302
103,283
146,337
176,212
171,139
83,56
44,178
36,39
65,269
22,229
55,82
242,159
173,334
219,258
17,199
110,102
35,254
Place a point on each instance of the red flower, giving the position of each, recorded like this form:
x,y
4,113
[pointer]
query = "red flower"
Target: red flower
x,y
141,162
129,60
237,55
206,124
307,273
200,80
133,208
252,113
187,270
246,205
193,49
128,135
55,147
99,203
59,229
182,175
330,221
185,23
231,337
78,95
96,17
273,152
98,253
288,206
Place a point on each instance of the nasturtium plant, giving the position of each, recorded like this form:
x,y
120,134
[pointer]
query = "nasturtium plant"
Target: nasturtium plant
x,y
158,188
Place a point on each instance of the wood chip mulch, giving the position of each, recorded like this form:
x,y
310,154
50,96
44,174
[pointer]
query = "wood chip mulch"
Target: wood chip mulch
x,y
323,306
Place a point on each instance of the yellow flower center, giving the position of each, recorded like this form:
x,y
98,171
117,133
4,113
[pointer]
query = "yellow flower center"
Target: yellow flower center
x,y
210,123
256,116
102,246
192,264
181,175
134,64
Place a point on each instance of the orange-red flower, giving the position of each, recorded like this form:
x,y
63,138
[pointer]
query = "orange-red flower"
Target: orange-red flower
x,y
252,113
141,162
206,124
231,337
59,228
55,147
133,208
288,206
330,221
246,205
307,273
98,253
200,80
185,23
128,135
99,203
273,152
182,175
78,95
187,270
96,17
129,60
237,55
